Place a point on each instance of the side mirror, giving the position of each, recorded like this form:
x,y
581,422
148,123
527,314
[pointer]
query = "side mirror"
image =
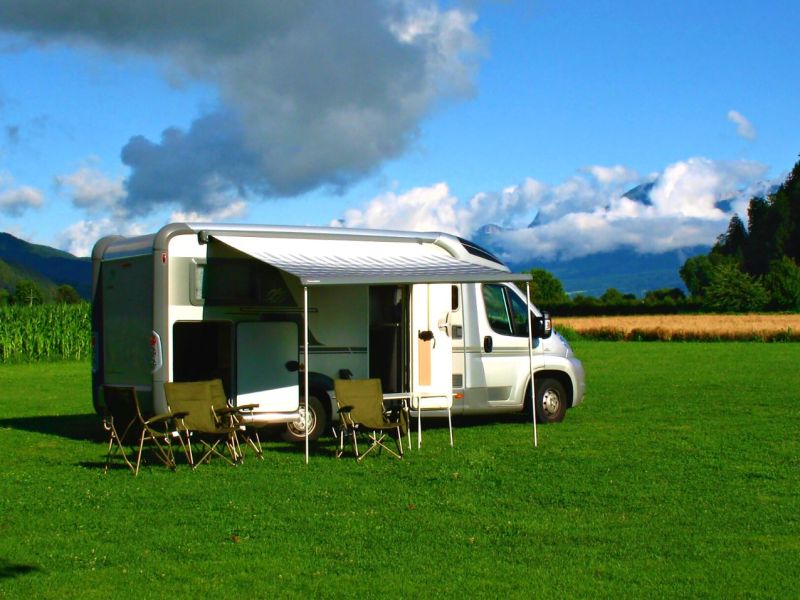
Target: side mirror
x,y
543,326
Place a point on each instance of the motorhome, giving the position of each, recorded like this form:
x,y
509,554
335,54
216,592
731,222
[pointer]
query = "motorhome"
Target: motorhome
x,y
275,311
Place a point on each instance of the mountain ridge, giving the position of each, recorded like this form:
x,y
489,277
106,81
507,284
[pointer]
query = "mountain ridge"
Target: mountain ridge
x,y
47,266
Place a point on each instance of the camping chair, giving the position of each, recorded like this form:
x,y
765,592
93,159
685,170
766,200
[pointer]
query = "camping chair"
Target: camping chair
x,y
195,400
360,403
128,427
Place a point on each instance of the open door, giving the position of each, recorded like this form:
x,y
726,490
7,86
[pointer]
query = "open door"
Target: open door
x,y
264,351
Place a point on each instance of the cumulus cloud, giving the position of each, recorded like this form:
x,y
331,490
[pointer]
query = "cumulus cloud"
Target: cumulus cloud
x,y
599,209
420,209
79,238
16,199
90,189
743,126
313,93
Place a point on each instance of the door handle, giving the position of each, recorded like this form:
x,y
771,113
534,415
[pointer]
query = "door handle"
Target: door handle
x,y
488,343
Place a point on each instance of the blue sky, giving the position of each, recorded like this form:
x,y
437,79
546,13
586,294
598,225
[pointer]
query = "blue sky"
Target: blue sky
x,y
118,117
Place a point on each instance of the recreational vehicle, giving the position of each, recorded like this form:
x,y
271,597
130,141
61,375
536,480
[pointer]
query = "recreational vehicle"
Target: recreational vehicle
x,y
278,313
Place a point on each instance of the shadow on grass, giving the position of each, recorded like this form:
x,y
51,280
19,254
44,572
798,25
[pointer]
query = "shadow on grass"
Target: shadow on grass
x,y
74,427
9,569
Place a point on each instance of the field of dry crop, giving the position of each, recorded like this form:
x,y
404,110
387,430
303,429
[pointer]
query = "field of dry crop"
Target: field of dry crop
x,y
767,327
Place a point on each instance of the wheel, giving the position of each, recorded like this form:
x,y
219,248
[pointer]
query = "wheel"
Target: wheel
x,y
551,401
317,420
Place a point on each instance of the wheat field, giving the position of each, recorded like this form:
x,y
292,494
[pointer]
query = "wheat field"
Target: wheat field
x,y
767,327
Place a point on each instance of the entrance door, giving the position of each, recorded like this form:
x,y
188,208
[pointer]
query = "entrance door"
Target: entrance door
x,y
432,346
263,350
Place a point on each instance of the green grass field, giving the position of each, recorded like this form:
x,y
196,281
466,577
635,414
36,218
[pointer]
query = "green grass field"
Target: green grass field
x,y
678,476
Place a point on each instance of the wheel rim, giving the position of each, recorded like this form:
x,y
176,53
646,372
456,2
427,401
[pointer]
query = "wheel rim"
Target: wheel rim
x,y
551,402
306,419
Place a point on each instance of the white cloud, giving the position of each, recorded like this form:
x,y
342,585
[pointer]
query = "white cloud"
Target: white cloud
x,y
15,200
79,238
92,190
743,126
420,209
687,204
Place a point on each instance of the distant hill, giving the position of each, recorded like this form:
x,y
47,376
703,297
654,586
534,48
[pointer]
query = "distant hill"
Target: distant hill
x,y
45,265
626,270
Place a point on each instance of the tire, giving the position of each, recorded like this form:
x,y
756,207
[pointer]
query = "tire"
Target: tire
x,y
551,401
295,431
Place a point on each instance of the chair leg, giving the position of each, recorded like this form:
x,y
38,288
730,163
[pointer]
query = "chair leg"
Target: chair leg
x,y
255,445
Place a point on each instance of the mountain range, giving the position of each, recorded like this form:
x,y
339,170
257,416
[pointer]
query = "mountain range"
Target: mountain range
x,y
47,266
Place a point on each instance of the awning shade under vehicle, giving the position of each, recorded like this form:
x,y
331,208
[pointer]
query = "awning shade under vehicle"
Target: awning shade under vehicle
x,y
333,261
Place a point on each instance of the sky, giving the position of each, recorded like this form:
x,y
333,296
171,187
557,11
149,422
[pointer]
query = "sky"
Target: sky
x,y
527,120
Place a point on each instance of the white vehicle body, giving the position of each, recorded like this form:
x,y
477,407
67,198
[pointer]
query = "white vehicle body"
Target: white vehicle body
x,y
421,311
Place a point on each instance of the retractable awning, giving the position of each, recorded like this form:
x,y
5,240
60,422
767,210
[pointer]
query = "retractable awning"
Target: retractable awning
x,y
324,260
338,261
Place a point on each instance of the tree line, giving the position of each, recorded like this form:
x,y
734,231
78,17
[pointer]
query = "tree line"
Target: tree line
x,y
27,292
751,267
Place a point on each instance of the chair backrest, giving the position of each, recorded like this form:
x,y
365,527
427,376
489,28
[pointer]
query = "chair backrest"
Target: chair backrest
x,y
196,399
217,391
366,398
123,407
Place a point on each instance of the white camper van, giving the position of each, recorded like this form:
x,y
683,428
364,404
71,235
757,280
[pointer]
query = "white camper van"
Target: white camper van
x,y
267,309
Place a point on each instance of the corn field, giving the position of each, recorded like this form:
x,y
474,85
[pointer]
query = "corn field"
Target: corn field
x,y
45,332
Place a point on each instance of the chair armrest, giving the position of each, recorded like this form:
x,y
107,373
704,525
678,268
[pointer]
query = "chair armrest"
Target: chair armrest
x,y
345,410
245,407
160,418
228,410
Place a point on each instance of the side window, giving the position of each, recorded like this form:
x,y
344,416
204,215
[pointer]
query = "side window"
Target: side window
x,y
494,300
519,315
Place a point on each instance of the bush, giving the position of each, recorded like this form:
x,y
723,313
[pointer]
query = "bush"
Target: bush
x,y
783,284
732,290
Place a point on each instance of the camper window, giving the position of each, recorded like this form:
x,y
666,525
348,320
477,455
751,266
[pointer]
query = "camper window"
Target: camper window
x,y
239,282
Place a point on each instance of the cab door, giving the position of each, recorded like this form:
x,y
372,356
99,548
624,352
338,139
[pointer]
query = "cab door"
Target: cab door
x,y
504,341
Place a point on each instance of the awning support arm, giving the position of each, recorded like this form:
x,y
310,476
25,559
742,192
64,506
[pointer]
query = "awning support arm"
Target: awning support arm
x,y
530,362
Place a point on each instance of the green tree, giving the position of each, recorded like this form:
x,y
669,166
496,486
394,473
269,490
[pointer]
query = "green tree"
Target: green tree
x,y
546,289
27,293
66,294
4,296
734,241
613,297
696,274
733,290
783,284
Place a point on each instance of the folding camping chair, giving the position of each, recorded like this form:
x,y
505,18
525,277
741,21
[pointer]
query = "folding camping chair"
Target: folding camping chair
x,y
361,409
128,427
195,401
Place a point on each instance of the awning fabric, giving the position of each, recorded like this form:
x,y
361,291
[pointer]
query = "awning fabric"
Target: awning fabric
x,y
333,261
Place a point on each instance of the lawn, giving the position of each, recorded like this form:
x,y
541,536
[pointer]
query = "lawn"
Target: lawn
x,y
678,476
